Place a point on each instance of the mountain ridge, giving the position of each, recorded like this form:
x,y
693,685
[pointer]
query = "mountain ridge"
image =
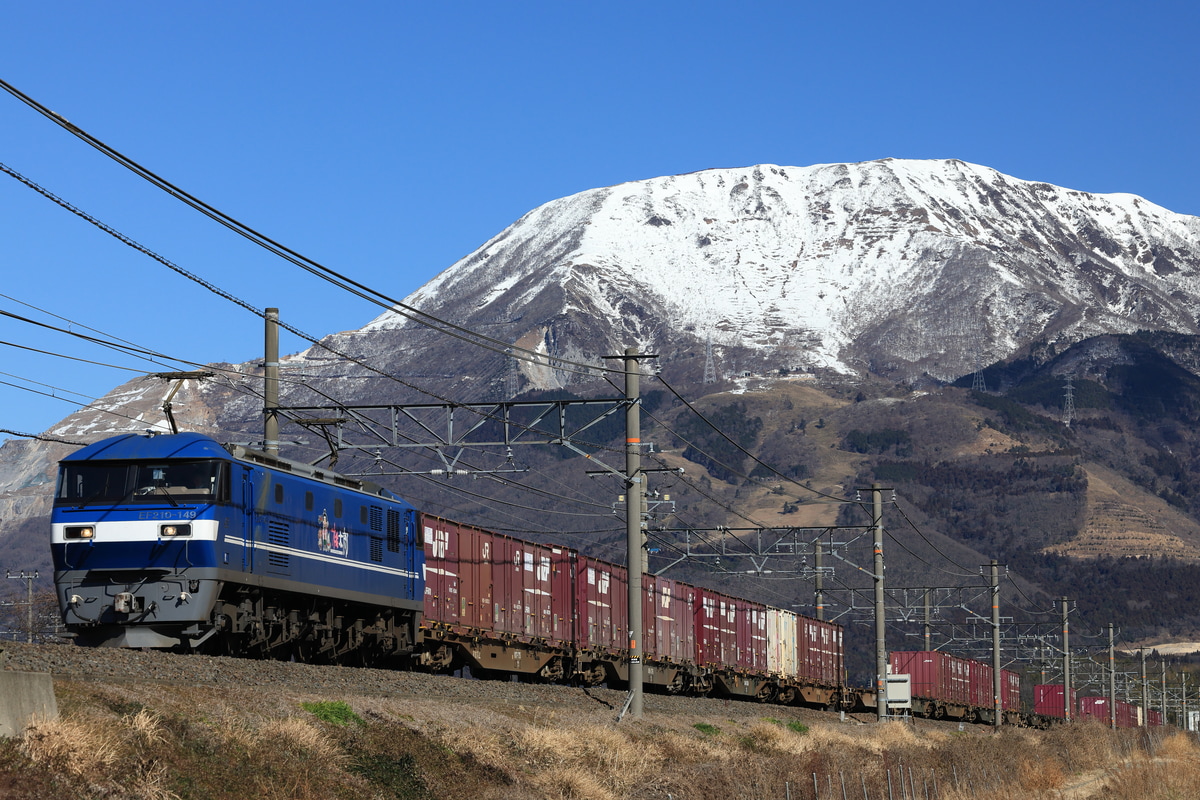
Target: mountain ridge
x,y
831,277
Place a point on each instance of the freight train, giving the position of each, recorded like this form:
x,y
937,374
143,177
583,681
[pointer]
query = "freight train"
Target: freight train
x,y
178,542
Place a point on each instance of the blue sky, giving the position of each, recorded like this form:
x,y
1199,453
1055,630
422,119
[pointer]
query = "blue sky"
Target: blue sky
x,y
387,140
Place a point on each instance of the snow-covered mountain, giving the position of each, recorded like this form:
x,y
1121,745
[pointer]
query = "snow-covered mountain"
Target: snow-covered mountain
x,y
907,270
903,268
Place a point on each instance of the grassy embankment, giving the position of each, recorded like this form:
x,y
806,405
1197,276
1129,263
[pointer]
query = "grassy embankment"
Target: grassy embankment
x,y
155,742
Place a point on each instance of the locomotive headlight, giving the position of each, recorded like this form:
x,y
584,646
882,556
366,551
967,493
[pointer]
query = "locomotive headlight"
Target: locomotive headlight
x,y
79,532
174,530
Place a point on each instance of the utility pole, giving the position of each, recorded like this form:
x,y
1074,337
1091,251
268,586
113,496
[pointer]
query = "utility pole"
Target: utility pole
x,y
633,526
1145,689
820,580
880,612
271,383
997,701
1183,715
1112,679
928,631
29,578
1163,663
1066,633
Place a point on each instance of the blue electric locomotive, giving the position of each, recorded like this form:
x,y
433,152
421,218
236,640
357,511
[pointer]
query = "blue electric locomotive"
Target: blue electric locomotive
x,y
175,541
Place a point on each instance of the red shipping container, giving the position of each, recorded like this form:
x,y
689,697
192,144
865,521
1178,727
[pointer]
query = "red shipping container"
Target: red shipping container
x,y
1126,714
982,689
935,675
1048,700
752,636
1154,717
716,629
668,612
1010,690
479,581
821,656
602,605
602,600
1094,708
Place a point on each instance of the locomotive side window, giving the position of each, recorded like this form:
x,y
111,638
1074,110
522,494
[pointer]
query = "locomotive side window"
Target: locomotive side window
x,y
278,492
308,501
362,514
337,507
92,482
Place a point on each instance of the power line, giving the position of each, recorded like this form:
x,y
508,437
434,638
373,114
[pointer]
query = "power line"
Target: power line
x,y
925,538
230,297
309,265
41,437
730,439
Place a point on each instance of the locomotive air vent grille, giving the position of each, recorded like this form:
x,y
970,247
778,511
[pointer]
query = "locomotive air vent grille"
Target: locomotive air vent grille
x,y
278,533
376,548
376,518
393,530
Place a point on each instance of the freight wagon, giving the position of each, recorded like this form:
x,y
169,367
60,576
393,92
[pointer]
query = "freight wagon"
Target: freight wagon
x,y
502,606
945,686
1048,701
1101,709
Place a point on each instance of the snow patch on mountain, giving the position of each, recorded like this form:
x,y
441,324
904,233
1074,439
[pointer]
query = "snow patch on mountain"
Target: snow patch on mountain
x,y
840,263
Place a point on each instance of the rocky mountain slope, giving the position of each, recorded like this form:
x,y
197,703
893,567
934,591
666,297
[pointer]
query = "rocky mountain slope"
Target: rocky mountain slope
x,y
835,302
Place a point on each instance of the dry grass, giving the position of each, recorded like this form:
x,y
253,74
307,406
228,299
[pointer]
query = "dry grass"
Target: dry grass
x,y
78,746
149,744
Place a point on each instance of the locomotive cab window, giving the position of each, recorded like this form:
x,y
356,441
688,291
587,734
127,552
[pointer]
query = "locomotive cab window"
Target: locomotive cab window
x,y
100,482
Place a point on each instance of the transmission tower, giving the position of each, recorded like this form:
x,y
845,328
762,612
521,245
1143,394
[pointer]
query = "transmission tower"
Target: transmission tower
x,y
977,382
1069,402
512,378
710,368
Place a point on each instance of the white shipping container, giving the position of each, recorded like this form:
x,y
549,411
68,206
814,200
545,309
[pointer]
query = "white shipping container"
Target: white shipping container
x,y
781,642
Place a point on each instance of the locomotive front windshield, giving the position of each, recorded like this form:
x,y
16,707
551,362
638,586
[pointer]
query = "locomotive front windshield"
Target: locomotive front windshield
x,y
112,482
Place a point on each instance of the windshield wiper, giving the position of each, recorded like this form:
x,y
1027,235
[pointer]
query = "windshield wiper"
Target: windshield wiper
x,y
163,491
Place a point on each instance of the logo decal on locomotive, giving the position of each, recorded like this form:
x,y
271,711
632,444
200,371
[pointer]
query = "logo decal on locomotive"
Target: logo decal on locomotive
x,y
331,540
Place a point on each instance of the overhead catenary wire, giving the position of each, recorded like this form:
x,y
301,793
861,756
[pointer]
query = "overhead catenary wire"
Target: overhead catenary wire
x,y
309,265
83,406
236,300
122,346
41,437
